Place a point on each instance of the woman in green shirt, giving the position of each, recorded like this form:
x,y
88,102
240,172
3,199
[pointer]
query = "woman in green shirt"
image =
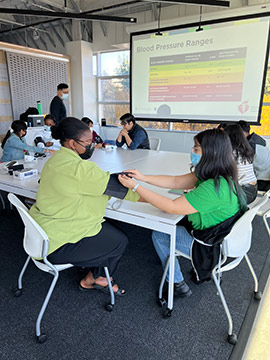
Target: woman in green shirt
x,y
215,196
70,206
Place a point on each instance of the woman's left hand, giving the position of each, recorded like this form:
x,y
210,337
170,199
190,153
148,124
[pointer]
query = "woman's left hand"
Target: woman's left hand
x,y
127,181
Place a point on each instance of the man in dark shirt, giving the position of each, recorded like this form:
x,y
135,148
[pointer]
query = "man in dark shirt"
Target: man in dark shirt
x,y
132,134
57,107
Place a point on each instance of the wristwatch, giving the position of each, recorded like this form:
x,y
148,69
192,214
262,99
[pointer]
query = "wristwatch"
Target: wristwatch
x,y
135,187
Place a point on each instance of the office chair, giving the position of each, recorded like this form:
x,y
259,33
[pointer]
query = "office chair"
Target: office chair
x,y
235,245
36,245
155,143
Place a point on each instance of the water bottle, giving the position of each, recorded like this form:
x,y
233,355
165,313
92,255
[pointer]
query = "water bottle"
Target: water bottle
x,y
39,107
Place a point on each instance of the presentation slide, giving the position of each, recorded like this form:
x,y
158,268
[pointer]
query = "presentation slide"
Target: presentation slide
x,y
213,75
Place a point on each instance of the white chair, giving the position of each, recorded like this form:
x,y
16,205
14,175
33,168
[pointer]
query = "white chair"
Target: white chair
x,y
36,245
235,245
155,143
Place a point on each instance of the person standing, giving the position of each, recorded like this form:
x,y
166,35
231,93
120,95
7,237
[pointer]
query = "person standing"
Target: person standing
x,y
57,108
132,134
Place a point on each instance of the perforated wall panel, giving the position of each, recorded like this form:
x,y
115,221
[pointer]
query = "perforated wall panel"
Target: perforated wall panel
x,y
34,78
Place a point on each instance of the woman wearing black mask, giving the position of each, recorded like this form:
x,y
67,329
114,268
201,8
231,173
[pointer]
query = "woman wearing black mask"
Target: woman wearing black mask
x,y
14,145
70,207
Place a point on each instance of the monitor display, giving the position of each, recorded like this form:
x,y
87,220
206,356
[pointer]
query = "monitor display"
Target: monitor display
x,y
35,120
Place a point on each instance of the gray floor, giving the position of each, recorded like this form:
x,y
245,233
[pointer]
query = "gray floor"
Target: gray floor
x,y
78,327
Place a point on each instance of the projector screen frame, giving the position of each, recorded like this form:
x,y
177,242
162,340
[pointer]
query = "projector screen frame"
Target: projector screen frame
x,y
201,24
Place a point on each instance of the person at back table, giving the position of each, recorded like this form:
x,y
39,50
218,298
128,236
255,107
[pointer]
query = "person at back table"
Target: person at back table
x,y
244,155
261,161
132,134
14,145
95,137
57,107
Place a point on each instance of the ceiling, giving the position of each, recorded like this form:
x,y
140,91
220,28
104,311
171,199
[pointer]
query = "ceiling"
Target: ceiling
x,y
43,32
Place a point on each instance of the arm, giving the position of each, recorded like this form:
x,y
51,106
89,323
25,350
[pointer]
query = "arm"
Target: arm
x,y
21,145
54,110
120,141
139,137
186,181
178,206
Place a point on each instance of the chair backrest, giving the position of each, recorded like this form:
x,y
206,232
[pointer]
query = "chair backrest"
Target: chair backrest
x,y
154,143
237,242
34,236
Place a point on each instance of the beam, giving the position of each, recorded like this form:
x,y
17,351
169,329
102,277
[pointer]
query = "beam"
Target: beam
x,y
57,35
61,15
49,36
220,3
66,32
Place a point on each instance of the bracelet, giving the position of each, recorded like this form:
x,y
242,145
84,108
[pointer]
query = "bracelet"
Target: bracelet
x,y
135,187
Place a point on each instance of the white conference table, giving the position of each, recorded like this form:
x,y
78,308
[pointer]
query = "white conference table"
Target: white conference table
x,y
140,214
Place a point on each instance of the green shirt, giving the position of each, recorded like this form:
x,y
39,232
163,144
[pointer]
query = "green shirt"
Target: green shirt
x,y
70,204
213,206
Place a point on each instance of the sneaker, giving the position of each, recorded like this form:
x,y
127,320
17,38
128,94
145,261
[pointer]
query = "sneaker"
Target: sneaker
x,y
180,290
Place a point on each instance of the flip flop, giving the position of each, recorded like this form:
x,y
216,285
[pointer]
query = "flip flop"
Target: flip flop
x,y
106,289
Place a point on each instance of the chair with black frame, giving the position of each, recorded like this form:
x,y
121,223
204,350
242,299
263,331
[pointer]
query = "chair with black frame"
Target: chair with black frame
x,y
36,245
236,246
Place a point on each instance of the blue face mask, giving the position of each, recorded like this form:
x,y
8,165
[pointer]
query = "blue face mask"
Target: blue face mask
x,y
47,128
195,158
65,96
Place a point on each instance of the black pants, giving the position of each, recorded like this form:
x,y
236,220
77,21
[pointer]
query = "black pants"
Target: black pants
x,y
250,191
263,185
104,249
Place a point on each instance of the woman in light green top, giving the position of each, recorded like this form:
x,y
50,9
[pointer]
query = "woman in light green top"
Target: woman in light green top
x,y
70,207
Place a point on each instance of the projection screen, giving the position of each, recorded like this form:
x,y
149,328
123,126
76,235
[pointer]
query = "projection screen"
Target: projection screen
x,y
214,75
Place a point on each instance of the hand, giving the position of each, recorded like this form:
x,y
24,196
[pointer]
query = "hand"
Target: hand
x,y
135,174
127,181
51,151
124,132
49,143
98,146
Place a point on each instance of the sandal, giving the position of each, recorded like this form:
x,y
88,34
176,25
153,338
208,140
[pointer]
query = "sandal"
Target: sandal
x,y
106,289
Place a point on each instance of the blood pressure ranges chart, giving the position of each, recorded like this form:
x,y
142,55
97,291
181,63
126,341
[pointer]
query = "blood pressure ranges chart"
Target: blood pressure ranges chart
x,y
203,76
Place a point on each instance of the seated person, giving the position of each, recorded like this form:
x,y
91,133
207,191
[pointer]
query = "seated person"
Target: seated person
x,y
132,134
46,137
216,198
96,139
14,145
244,156
73,215
261,161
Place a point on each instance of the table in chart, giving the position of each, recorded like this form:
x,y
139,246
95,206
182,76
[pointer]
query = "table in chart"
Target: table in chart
x,y
202,76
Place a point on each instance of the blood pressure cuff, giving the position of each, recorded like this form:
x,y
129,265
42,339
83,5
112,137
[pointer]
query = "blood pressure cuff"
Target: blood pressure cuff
x,y
115,188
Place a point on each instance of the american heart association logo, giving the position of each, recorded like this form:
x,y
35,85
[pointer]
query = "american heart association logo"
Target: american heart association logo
x,y
243,108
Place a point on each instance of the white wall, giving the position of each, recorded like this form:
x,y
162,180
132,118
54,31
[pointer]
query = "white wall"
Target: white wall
x,y
83,83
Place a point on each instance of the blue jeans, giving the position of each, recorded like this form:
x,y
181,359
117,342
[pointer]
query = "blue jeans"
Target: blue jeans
x,y
161,243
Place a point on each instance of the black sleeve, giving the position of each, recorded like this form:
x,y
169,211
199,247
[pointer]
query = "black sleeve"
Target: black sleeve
x,y
115,188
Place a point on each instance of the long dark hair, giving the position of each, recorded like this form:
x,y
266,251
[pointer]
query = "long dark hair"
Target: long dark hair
x,y
240,144
217,161
16,126
69,128
86,120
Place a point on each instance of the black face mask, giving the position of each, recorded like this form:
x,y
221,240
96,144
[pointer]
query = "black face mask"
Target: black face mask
x,y
89,149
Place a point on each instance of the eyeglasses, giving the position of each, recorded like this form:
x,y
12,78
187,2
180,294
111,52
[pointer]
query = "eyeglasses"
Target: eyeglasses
x,y
84,143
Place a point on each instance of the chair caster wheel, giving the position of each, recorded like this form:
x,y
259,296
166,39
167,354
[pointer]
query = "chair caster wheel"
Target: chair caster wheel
x,y
257,295
17,292
41,338
109,307
167,313
161,302
232,339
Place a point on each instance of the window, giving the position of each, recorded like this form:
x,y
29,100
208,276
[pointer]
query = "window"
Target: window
x,y
113,85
